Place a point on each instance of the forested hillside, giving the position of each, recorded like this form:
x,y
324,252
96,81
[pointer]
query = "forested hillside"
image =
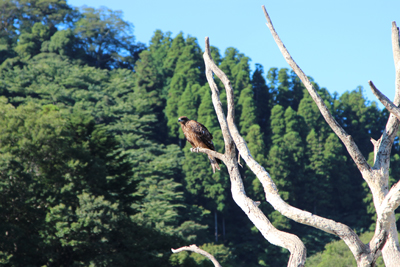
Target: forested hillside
x,y
94,169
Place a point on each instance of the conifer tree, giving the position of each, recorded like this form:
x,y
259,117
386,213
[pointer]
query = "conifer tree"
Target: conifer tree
x,y
262,100
206,115
148,98
251,132
247,109
173,54
293,142
178,84
286,88
189,103
297,90
216,56
316,173
286,156
160,45
283,90
272,78
310,113
148,85
186,73
356,118
236,66
277,124
277,162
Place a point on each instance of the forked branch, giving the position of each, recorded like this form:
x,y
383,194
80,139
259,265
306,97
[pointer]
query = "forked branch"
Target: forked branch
x,y
210,152
382,151
389,105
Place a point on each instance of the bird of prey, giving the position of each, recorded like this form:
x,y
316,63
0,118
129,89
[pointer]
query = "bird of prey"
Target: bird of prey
x,y
198,136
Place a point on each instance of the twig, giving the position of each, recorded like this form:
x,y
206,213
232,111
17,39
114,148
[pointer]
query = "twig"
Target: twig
x,y
239,160
210,152
389,105
198,250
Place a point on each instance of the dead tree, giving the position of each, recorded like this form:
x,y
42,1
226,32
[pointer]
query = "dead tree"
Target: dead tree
x,y
385,240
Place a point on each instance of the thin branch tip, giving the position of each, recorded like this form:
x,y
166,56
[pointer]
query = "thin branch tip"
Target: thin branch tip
x,y
372,85
266,13
196,249
207,40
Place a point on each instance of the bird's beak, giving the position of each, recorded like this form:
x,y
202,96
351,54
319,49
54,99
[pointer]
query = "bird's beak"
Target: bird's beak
x,y
179,120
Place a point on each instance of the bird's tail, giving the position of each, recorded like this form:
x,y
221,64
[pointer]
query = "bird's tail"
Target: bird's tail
x,y
214,163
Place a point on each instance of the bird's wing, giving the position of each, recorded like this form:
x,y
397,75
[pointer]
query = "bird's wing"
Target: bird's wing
x,y
202,134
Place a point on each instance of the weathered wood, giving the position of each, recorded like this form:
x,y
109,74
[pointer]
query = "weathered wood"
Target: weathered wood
x,y
249,207
377,177
198,250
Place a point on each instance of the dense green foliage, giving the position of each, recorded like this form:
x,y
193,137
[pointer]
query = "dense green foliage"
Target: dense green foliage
x,y
337,254
94,170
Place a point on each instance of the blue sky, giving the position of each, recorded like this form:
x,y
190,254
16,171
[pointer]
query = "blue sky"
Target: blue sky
x,y
341,44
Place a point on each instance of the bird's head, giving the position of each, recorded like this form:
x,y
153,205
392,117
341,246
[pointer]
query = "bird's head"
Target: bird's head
x,y
183,119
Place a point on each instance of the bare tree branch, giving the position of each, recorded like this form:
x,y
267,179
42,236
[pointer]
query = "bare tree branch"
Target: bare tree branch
x,y
209,152
396,57
389,105
347,140
229,145
198,250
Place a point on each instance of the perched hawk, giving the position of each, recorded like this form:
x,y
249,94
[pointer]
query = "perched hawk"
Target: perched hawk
x,y
198,136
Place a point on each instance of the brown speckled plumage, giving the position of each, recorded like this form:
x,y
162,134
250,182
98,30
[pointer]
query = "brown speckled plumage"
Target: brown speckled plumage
x,y
198,136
